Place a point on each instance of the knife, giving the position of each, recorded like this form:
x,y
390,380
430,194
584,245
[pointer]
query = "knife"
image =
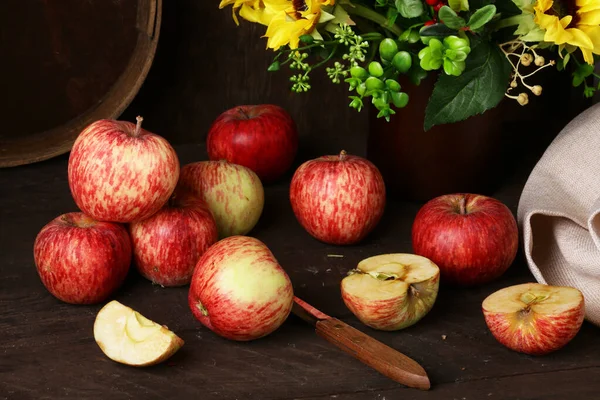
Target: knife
x,y
383,358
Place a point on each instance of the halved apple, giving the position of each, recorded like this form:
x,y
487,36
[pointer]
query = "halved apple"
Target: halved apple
x,y
391,291
533,318
127,337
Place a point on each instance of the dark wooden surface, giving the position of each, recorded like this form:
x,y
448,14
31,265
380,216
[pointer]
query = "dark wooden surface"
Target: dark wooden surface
x,y
47,350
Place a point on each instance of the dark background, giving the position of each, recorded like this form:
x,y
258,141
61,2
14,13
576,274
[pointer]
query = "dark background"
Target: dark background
x,y
206,64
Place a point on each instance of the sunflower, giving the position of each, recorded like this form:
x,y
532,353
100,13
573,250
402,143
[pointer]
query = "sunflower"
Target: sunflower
x,y
252,10
571,22
298,18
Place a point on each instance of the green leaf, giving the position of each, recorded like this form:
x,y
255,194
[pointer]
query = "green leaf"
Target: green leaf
x,y
274,66
409,8
479,88
482,17
439,30
459,5
392,15
450,18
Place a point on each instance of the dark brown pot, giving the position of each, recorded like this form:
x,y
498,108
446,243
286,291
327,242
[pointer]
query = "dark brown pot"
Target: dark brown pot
x,y
476,155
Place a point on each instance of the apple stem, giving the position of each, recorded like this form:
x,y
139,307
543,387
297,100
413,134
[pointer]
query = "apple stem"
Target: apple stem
x,y
138,126
343,155
463,205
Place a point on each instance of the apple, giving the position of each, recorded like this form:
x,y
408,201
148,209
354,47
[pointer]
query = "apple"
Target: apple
x,y
233,193
81,260
534,318
239,290
167,245
338,199
119,172
472,238
390,292
127,337
262,137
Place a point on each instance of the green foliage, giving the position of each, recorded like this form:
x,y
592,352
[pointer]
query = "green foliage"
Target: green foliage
x,y
479,88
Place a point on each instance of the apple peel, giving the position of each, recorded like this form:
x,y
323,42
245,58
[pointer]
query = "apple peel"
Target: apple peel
x,y
534,318
391,291
127,337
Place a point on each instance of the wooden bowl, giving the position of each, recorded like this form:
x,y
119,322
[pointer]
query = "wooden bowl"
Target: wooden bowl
x,y
67,64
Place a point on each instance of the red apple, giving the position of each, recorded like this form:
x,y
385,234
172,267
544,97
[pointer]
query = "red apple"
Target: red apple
x,y
167,246
81,260
261,137
120,172
234,194
239,290
533,318
473,239
338,199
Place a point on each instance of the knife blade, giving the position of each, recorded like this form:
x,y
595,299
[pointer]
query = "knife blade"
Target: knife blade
x,y
370,351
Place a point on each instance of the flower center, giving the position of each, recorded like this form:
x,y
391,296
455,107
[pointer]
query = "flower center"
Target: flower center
x,y
562,8
299,6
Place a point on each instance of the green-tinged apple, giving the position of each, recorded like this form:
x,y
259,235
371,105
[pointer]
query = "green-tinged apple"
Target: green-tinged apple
x,y
81,260
391,291
119,172
234,194
167,246
472,238
239,290
127,337
534,318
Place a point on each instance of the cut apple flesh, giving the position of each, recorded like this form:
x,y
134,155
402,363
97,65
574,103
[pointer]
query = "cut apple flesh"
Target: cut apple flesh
x,y
534,297
127,337
391,274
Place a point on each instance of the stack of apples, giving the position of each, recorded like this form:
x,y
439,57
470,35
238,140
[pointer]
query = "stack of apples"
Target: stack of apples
x,y
137,205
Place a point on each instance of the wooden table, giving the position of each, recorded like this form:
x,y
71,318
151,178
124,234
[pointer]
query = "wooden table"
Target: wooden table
x,y
47,349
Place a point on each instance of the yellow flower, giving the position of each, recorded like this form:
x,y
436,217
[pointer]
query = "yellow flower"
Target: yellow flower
x,y
251,10
571,22
299,17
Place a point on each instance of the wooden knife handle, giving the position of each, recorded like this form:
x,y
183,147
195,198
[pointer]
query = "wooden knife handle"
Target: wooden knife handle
x,y
384,359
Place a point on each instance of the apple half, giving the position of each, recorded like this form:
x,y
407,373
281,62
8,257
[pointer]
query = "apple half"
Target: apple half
x,y
127,337
534,318
391,291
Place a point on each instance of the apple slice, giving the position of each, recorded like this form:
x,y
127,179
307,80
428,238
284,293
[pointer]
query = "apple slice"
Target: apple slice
x,y
533,318
391,291
127,337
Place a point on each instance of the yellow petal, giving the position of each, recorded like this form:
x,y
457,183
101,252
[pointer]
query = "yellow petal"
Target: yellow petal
x,y
587,55
566,20
580,39
593,32
542,6
589,18
555,33
587,5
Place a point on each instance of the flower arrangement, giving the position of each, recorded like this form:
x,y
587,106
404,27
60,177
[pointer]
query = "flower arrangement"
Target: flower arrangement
x,y
481,50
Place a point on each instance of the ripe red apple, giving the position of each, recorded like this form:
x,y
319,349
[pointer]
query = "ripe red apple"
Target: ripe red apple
x,y
234,194
472,238
239,290
167,245
533,318
120,172
338,199
261,137
81,260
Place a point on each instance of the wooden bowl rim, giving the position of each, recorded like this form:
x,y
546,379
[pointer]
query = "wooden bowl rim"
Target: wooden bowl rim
x,y
57,141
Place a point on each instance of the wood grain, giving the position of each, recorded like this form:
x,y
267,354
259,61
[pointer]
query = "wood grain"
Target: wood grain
x,y
48,351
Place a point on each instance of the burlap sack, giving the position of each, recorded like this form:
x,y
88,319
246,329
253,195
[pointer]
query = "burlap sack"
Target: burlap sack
x,y
559,211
